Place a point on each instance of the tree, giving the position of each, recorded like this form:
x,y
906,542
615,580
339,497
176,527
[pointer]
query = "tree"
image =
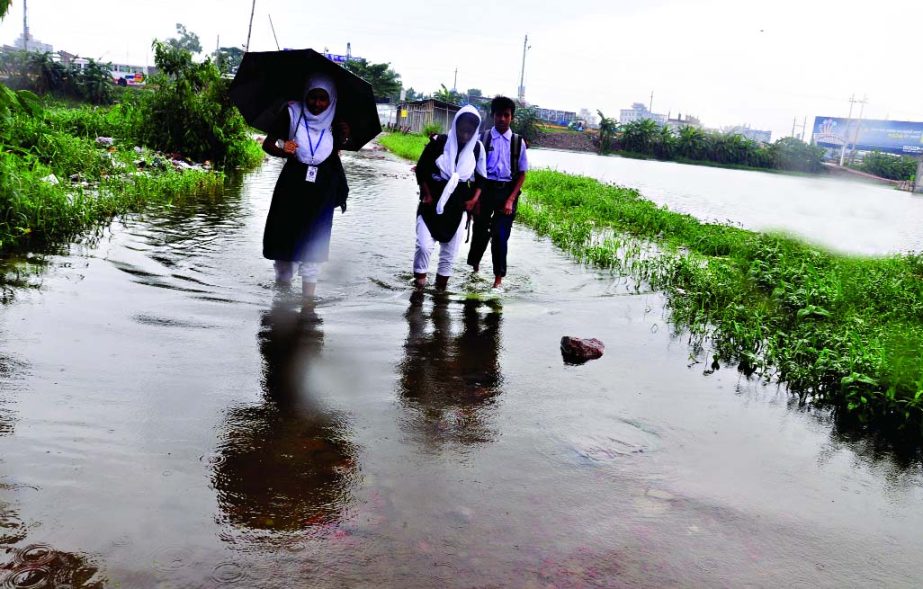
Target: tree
x,y
607,129
475,93
386,83
228,59
446,95
186,40
638,136
410,95
4,7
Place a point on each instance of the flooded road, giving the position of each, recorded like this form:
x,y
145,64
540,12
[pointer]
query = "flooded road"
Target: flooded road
x,y
170,419
843,215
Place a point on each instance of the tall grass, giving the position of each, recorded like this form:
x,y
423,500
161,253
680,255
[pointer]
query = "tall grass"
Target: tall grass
x,y
840,331
406,146
56,181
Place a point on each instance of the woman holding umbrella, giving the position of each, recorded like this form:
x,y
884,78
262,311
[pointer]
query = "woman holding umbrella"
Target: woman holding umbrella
x,y
311,185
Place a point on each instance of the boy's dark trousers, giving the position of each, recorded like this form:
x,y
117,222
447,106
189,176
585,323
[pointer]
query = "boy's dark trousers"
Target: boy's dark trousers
x,y
492,225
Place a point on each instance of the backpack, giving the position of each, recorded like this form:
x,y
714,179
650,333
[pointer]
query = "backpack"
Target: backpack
x,y
515,150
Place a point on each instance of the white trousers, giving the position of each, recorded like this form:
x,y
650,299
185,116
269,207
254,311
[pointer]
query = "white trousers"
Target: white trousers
x,y
285,270
447,250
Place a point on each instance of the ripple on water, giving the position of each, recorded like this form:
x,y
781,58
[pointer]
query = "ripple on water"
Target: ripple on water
x,y
30,576
170,560
228,573
36,554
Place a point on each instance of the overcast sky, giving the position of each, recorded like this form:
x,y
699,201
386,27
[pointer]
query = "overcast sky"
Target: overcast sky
x,y
726,61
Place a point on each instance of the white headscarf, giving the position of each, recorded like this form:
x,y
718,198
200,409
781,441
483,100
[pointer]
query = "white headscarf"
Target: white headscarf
x,y
458,165
314,129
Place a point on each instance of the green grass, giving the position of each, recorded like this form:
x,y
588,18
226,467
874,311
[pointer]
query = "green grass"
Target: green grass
x,y
839,331
408,146
60,141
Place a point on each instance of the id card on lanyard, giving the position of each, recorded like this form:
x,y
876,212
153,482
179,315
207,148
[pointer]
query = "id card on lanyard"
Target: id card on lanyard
x,y
311,174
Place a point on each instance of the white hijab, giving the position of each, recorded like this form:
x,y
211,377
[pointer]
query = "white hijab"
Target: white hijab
x,y
311,129
459,165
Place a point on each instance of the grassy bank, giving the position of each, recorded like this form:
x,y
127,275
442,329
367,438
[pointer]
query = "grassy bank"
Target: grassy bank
x,y
406,146
57,180
840,331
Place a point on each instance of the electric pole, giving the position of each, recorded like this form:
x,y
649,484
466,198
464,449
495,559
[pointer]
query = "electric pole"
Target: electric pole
x,y
455,81
650,107
25,26
250,29
273,27
852,101
522,74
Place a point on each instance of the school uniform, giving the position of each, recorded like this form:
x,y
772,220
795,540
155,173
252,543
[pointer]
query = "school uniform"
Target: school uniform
x,y
311,185
451,174
491,224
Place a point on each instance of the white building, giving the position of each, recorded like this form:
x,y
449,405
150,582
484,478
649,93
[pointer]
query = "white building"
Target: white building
x,y
751,134
33,44
638,112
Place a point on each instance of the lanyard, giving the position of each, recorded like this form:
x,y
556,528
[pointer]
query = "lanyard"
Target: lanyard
x,y
307,131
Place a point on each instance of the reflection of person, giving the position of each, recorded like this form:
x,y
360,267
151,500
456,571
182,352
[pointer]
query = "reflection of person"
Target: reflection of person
x,y
506,171
311,184
449,382
446,173
285,464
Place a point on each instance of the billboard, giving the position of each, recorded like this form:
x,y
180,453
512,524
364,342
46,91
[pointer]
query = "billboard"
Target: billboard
x,y
903,137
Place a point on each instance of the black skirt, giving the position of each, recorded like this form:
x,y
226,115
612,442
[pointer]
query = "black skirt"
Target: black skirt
x,y
443,227
300,218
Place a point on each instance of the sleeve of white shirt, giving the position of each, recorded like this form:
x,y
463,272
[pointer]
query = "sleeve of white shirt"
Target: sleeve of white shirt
x,y
523,160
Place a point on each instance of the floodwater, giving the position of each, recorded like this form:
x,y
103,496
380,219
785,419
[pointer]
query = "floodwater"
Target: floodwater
x,y
847,216
170,419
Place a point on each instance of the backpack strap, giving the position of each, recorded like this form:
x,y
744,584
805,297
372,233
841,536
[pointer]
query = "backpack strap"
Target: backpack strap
x,y
515,151
485,139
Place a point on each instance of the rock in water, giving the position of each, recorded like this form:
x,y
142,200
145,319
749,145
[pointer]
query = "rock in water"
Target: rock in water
x,y
577,350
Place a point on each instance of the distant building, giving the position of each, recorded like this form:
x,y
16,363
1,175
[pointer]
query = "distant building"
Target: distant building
x,y
639,112
679,123
560,117
33,44
751,134
413,116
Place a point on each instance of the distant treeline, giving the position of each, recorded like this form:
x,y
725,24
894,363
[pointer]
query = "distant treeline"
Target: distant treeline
x,y
647,138
892,167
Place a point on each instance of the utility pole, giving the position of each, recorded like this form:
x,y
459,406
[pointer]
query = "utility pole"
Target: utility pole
x,y
522,74
273,27
794,119
650,107
250,29
25,26
455,81
855,139
852,101
349,51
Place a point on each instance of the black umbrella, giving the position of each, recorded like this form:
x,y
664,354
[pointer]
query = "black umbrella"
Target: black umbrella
x,y
267,80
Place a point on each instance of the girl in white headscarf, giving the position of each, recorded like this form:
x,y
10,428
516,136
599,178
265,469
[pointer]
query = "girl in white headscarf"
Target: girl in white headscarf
x,y
447,173
312,183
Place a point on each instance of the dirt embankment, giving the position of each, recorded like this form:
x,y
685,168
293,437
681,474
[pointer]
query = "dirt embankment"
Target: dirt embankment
x,y
568,141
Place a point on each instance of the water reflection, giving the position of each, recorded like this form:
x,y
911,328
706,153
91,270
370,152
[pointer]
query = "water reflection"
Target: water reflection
x,y
449,383
286,464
